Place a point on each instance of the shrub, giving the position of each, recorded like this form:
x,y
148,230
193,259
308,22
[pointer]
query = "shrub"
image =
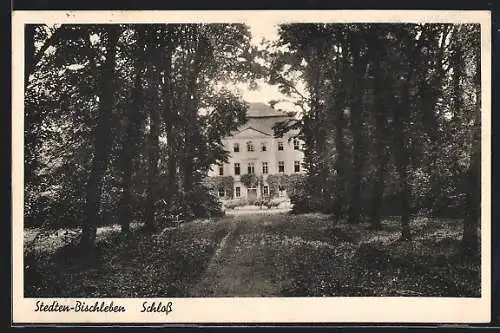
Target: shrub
x,y
275,181
300,198
305,203
249,180
200,202
218,182
232,204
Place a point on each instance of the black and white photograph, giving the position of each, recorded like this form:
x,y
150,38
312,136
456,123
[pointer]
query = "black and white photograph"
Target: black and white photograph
x,y
253,159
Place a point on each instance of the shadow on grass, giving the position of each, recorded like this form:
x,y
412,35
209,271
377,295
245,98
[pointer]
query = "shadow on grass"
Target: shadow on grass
x,y
141,265
298,255
350,260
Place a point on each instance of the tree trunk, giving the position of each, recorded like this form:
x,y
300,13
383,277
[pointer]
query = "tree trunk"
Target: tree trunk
x,y
29,51
357,91
340,147
129,152
403,161
102,140
405,201
191,103
153,157
172,187
170,117
378,186
402,133
321,182
32,118
339,163
380,111
470,238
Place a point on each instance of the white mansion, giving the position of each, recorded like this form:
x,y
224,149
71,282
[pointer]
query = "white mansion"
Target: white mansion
x,y
254,150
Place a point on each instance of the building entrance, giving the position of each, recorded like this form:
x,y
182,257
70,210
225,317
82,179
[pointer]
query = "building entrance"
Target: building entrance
x,y
252,195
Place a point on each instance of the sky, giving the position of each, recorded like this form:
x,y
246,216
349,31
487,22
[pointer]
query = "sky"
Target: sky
x,y
262,29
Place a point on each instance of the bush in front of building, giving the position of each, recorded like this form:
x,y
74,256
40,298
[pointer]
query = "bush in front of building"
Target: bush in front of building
x,y
249,180
232,204
200,202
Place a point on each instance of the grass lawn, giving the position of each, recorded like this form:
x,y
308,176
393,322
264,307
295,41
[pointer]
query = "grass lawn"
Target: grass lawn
x,y
145,265
263,255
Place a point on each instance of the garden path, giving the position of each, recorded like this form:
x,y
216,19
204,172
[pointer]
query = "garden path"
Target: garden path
x,y
239,267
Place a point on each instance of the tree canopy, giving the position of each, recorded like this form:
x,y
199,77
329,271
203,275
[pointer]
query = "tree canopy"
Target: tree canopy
x,y
391,118
121,116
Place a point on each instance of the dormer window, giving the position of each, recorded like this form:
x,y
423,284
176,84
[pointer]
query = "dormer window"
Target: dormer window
x,y
236,147
264,146
250,146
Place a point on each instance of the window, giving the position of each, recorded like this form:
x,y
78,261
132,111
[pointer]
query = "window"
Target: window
x,y
296,144
281,166
249,146
266,190
221,192
251,168
237,192
280,145
296,166
221,171
236,147
236,169
264,168
263,146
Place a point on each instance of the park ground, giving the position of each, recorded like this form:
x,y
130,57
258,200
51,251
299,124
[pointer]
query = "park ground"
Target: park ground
x,y
256,254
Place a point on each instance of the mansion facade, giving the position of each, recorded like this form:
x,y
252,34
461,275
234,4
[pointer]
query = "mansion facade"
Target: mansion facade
x,y
254,150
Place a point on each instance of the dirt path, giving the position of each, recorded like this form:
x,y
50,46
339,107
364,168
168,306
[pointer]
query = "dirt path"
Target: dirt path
x,y
238,267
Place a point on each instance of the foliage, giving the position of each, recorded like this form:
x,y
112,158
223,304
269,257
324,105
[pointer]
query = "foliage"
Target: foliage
x,y
201,203
221,182
232,204
118,117
250,180
111,128
292,184
382,108
289,255
295,184
275,181
176,259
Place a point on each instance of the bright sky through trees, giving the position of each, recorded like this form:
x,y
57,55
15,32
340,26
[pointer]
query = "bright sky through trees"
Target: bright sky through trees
x,y
269,31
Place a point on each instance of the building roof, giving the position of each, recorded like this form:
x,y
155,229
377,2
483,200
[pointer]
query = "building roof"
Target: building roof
x,y
261,110
261,117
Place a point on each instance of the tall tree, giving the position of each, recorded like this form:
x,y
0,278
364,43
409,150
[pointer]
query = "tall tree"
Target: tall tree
x,y
339,117
134,119
470,239
357,93
154,77
170,114
380,106
198,48
101,144
400,127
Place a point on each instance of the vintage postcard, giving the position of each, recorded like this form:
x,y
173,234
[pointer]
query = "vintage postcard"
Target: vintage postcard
x,y
328,166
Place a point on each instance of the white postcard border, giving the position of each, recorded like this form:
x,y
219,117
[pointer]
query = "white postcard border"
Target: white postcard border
x,y
255,309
